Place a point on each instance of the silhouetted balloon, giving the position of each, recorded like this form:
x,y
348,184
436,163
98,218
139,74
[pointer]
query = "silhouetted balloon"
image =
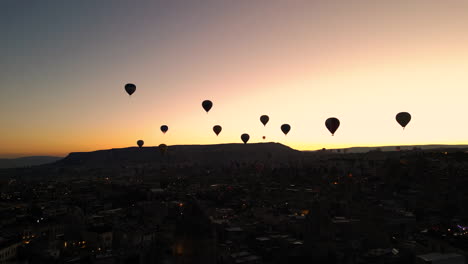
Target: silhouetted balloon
x,y
264,119
263,137
140,143
332,124
207,104
130,88
217,129
403,118
162,148
164,128
285,128
245,138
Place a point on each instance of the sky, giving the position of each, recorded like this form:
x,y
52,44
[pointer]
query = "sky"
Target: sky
x,y
64,64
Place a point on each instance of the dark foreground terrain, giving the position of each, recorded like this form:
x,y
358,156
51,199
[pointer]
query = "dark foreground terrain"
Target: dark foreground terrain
x,y
233,203
27,161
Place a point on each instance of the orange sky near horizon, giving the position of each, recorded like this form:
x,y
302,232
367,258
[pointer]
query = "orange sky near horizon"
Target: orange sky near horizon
x,y
298,62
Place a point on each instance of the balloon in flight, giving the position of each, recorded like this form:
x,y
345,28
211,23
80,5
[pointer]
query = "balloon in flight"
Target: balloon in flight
x,y
332,124
217,129
207,104
130,88
403,118
140,143
285,128
264,119
264,137
164,128
245,138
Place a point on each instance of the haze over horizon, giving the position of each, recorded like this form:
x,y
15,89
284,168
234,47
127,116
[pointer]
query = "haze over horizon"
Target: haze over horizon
x,y
64,66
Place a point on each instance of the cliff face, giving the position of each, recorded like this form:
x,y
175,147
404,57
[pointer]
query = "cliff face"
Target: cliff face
x,y
201,154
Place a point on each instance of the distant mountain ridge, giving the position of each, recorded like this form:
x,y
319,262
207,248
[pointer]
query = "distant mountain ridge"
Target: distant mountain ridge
x,y
210,154
200,154
27,161
407,147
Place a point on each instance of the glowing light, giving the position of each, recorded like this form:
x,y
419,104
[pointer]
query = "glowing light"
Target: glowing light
x,y
179,248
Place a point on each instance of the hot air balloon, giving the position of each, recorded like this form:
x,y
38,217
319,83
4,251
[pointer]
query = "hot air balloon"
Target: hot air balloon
x,y
403,118
207,104
264,137
264,119
245,138
130,88
285,128
162,148
217,129
164,128
332,124
140,143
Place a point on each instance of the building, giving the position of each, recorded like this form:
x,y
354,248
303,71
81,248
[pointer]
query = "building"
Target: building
x,y
8,249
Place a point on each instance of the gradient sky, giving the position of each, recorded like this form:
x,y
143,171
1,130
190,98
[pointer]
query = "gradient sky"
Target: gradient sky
x,y
63,65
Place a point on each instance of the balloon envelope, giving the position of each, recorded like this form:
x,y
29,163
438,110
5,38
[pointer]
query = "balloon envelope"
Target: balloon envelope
x,y
285,128
164,128
264,119
245,138
264,137
403,118
332,124
130,88
207,104
217,129
140,143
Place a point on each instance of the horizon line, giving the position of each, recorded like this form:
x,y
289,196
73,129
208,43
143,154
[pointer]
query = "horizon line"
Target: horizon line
x,y
25,155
